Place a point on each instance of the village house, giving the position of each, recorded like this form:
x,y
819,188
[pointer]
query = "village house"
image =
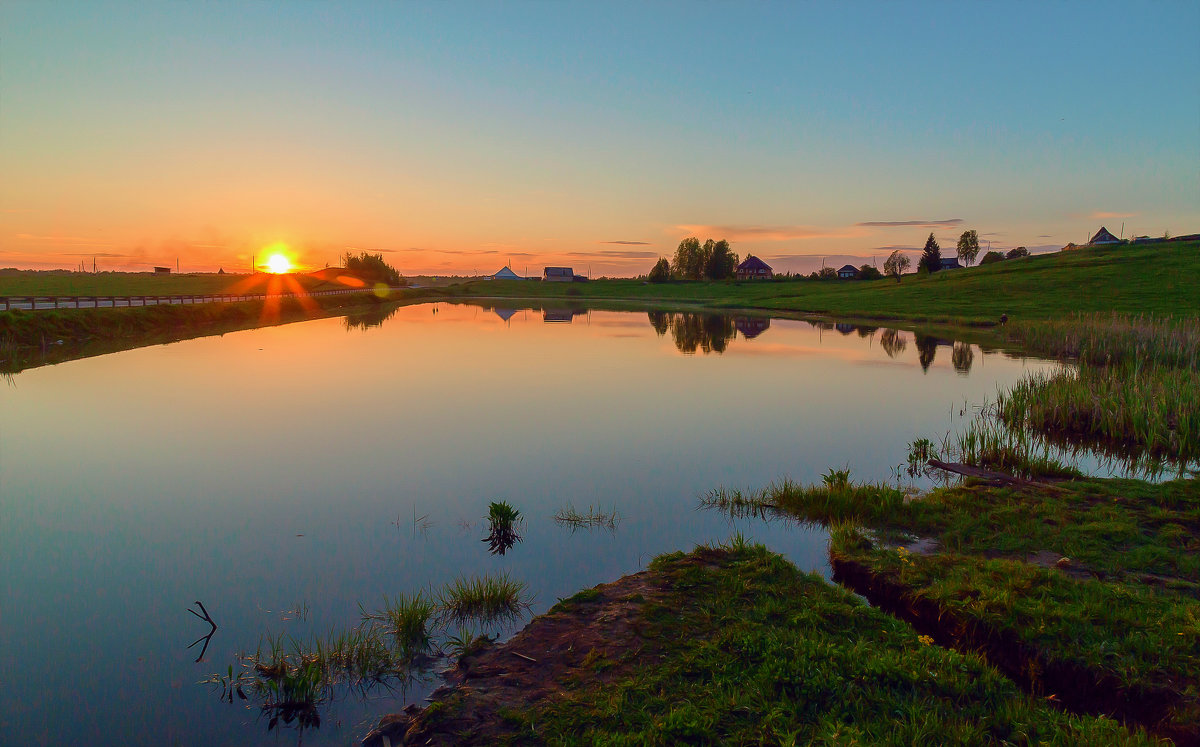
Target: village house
x,y
505,274
848,272
754,268
950,263
1103,238
558,274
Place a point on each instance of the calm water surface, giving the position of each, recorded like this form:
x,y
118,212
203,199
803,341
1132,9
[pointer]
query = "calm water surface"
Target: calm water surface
x,y
320,465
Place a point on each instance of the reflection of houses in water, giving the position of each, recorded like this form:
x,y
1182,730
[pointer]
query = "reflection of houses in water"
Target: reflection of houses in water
x,y
844,328
751,326
504,314
561,315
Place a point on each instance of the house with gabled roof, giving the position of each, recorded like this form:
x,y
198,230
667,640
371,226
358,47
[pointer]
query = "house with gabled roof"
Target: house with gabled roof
x,y
754,268
1103,237
848,272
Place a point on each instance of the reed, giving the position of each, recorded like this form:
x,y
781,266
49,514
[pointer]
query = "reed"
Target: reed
x,y
590,518
486,598
1151,410
406,621
1115,339
837,499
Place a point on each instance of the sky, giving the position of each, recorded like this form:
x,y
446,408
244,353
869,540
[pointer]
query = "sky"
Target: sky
x,y
458,137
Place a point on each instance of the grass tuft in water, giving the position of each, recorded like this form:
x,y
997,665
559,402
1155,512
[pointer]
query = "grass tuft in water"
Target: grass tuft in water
x,y
486,598
590,518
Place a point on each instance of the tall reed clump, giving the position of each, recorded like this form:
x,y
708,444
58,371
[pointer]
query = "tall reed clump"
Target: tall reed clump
x,y
405,621
1152,411
837,499
487,598
1115,339
1134,392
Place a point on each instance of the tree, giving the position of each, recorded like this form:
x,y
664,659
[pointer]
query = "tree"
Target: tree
x,y
689,259
371,268
661,272
991,257
869,272
719,260
931,258
826,273
968,246
896,264
1020,251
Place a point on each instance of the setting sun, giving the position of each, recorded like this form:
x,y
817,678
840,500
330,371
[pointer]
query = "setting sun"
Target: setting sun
x,y
279,264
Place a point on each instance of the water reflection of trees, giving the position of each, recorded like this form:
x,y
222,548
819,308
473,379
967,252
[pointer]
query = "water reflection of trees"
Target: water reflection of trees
x,y
892,342
690,331
962,357
926,350
374,317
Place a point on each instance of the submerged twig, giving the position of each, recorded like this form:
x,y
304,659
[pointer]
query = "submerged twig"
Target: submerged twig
x,y
207,636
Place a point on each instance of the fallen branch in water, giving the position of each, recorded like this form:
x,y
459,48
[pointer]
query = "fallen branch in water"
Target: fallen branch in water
x,y
996,478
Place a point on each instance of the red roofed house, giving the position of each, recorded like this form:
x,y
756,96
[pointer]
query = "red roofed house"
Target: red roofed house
x,y
754,269
1103,237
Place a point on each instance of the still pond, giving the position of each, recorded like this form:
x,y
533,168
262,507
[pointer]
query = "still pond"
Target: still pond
x,y
287,475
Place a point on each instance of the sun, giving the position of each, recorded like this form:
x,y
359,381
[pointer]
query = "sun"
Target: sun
x,y
279,264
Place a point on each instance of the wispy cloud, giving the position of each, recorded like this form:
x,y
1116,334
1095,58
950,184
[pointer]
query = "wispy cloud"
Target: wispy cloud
x,y
106,255
947,223
614,253
627,243
1106,215
769,233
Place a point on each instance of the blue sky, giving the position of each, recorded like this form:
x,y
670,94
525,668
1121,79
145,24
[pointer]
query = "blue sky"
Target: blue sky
x,y
459,136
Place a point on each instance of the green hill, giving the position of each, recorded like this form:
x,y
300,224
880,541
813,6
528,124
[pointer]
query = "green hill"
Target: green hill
x,y
1157,279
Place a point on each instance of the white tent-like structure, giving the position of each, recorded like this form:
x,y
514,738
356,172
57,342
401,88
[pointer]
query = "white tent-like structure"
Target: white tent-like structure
x,y
506,274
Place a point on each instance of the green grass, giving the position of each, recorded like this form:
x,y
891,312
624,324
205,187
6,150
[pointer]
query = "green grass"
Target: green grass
x,y
407,620
1161,280
488,598
1123,603
748,650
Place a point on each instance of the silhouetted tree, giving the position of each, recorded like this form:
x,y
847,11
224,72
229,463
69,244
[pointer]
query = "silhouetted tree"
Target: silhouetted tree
x,y
825,273
931,257
869,272
372,268
991,257
719,261
689,259
968,247
1020,251
896,264
661,272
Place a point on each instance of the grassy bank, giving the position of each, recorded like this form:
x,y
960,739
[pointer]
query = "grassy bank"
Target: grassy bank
x,y
1089,590
733,646
1158,280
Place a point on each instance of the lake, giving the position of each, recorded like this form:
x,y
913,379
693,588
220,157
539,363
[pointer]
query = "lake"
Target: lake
x,y
283,476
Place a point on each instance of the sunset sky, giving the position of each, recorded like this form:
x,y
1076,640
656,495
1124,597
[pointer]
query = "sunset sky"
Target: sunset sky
x,y
459,136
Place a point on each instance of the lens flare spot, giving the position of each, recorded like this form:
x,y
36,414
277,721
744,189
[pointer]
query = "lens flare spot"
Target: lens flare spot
x,y
381,290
